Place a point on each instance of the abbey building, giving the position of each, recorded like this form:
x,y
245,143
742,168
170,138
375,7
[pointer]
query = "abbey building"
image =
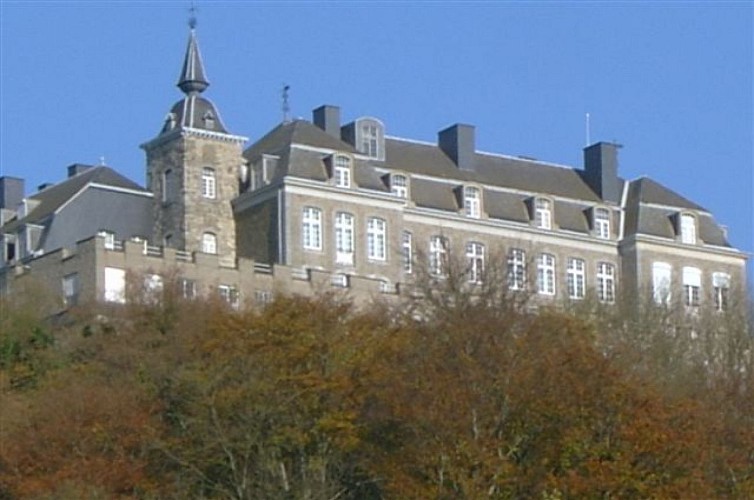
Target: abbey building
x,y
319,204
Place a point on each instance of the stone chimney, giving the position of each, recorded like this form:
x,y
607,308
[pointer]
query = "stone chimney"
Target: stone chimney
x,y
11,192
458,143
327,118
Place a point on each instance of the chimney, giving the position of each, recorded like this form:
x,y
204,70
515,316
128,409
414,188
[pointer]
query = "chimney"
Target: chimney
x,y
45,185
11,192
77,168
327,118
457,141
601,170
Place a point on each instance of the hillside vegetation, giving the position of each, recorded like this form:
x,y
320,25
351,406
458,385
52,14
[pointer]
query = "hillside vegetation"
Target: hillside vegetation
x,y
443,397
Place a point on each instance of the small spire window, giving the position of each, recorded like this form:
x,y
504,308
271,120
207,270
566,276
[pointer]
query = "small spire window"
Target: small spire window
x,y
209,119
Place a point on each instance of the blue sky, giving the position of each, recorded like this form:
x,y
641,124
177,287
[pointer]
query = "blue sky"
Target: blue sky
x,y
672,82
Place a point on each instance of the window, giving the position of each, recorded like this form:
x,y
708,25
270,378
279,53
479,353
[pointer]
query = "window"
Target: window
x,y
209,243
115,285
167,185
187,288
576,278
546,274
209,185
602,223
10,248
688,229
370,140
516,269
262,297
606,282
342,171
692,286
109,238
407,251
661,274
257,175
471,202
438,255
229,294
209,120
344,238
152,288
399,185
339,280
312,228
475,260
543,213
71,289
721,287
376,239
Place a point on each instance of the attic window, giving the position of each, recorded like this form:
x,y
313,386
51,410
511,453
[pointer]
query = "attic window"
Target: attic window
x,y
543,213
688,229
399,185
472,201
370,138
209,119
602,223
342,171
170,121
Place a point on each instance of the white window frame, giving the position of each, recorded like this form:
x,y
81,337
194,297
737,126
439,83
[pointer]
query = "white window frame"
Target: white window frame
x,y
606,282
209,243
546,274
399,185
692,286
311,229
662,279
516,269
71,289
576,278
688,229
115,285
602,223
472,202
370,139
543,213
229,294
475,261
438,255
188,288
376,239
407,251
209,183
342,171
721,289
344,238
109,239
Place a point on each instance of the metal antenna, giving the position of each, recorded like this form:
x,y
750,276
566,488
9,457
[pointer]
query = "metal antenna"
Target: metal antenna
x,y
192,15
588,139
286,105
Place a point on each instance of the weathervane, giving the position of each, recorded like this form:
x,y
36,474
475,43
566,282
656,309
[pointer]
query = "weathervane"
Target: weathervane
x,y
286,105
192,17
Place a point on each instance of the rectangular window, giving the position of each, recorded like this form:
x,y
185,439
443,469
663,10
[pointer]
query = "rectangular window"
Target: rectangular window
x,y
721,287
257,175
312,228
516,269
152,288
661,275
692,286
407,250
109,238
229,294
115,285
399,185
606,282
376,239
438,255
546,274
209,185
475,261
71,289
167,186
688,229
472,202
187,288
602,223
543,213
576,278
209,243
344,238
342,171
370,140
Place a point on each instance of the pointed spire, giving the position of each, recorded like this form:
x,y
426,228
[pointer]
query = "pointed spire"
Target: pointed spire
x,y
192,79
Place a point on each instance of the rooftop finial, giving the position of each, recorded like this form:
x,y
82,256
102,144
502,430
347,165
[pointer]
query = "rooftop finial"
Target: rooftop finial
x,y
192,16
192,80
286,105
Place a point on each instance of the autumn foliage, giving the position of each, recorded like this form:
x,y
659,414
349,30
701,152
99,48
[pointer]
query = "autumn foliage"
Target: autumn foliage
x,y
316,399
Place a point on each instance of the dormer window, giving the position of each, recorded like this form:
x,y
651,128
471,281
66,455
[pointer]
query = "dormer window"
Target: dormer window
x,y
543,213
602,223
342,171
369,137
262,171
209,119
688,229
472,202
399,185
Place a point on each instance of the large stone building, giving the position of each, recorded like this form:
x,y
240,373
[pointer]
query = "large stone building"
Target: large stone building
x,y
320,204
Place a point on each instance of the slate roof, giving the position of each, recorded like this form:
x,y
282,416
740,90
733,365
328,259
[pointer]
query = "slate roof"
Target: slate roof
x,y
53,197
